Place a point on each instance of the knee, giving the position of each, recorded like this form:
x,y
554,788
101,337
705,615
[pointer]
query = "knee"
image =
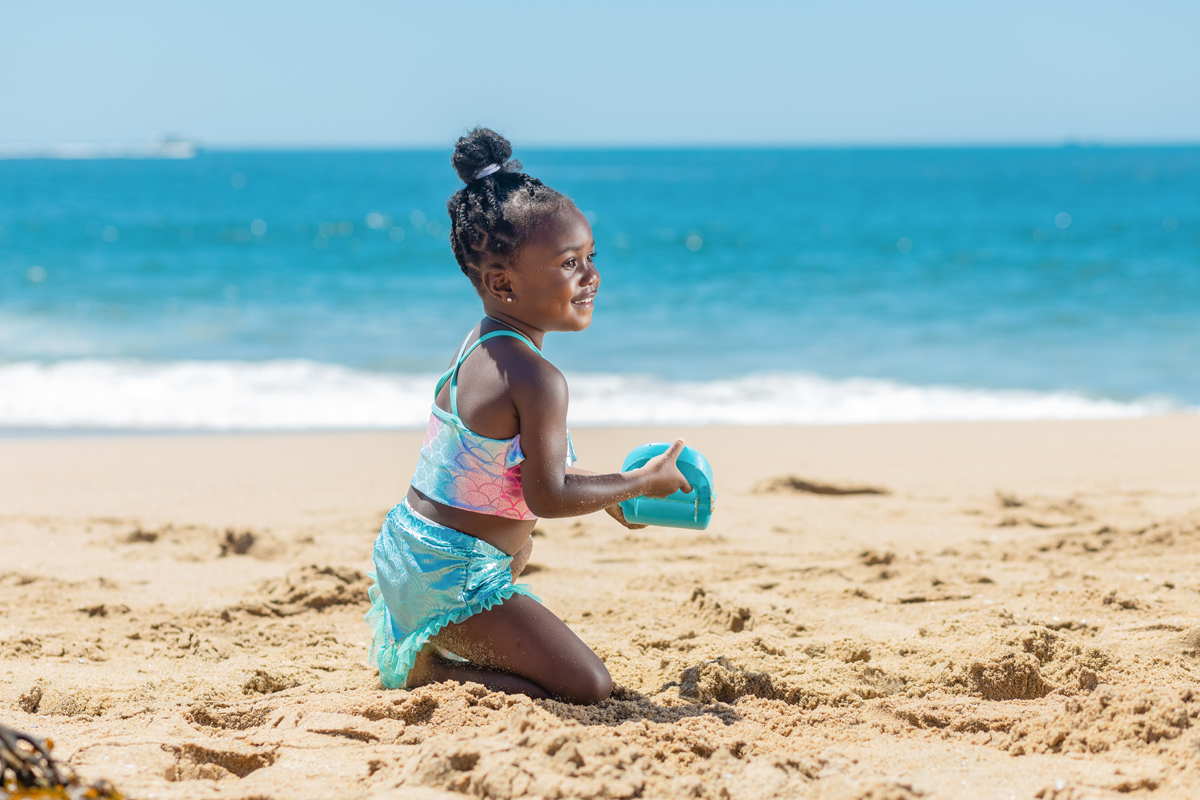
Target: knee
x,y
591,685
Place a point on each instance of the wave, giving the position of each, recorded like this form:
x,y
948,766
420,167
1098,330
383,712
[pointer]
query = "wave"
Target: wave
x,y
305,395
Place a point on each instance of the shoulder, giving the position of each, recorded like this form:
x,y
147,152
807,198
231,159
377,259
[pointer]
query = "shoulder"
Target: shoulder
x,y
528,375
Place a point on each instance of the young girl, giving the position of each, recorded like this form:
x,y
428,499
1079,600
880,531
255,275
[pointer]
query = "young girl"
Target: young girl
x,y
497,455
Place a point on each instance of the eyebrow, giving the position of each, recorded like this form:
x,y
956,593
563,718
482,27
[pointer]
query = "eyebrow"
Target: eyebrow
x,y
570,248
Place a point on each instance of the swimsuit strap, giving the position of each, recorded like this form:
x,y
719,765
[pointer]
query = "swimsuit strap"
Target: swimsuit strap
x,y
465,351
457,360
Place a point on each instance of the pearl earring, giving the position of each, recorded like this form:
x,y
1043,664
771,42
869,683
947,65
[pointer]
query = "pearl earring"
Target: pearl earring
x,y
508,299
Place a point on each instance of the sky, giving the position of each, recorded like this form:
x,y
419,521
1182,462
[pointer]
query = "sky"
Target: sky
x,y
263,74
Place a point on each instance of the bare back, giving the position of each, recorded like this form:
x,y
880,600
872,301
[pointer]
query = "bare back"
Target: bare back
x,y
486,408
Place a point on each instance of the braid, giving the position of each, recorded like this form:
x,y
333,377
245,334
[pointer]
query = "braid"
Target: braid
x,y
490,217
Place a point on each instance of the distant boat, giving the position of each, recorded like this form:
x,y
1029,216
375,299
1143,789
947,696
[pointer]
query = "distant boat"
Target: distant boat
x,y
167,145
159,146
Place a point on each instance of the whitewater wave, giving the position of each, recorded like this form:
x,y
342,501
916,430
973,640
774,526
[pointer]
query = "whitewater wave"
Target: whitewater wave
x,y
306,395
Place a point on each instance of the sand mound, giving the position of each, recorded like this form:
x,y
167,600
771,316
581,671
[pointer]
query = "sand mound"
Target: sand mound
x,y
1005,674
529,751
958,715
723,681
712,614
547,762
257,544
1128,717
1189,643
310,588
1029,663
70,701
270,681
1065,663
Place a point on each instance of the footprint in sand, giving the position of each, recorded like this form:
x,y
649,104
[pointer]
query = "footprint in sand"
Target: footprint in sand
x,y
195,762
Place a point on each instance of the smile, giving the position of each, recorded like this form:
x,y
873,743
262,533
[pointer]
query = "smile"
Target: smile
x,y
585,302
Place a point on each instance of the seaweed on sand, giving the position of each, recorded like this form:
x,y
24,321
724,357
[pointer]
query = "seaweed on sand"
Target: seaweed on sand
x,y
29,772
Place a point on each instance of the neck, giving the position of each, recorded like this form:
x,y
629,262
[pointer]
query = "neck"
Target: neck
x,y
532,334
502,322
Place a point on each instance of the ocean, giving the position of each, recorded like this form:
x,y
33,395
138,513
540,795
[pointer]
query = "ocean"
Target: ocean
x,y
317,290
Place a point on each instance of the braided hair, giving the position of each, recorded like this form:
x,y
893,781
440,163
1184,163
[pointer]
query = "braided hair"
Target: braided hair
x,y
491,217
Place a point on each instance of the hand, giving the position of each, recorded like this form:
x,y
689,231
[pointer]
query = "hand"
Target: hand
x,y
664,476
618,513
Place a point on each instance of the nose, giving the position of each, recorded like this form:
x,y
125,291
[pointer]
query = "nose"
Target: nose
x,y
592,276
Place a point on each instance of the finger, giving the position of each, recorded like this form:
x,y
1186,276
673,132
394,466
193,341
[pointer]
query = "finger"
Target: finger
x,y
618,513
673,451
672,456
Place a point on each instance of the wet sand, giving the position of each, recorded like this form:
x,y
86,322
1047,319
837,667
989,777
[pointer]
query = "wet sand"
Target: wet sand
x,y
1011,613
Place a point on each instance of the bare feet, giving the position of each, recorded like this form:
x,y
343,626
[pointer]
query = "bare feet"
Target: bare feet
x,y
424,669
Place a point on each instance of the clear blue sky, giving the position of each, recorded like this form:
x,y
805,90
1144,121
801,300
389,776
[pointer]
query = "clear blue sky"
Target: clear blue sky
x,y
394,74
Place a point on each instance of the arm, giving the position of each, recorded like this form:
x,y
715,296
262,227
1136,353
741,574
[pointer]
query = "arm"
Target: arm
x,y
539,393
615,511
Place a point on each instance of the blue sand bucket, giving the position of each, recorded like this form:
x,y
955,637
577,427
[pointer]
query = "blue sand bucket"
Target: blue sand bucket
x,y
679,510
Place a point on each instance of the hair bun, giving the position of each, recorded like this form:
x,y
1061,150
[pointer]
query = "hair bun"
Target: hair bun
x,y
481,148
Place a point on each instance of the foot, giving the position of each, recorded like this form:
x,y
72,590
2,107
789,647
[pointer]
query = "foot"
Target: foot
x,y
425,669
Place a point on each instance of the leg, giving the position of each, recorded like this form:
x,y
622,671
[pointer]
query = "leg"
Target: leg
x,y
432,668
523,638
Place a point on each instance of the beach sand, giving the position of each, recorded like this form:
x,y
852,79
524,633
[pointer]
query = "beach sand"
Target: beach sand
x,y
1012,615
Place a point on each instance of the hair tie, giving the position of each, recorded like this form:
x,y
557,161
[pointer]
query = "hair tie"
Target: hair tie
x,y
488,170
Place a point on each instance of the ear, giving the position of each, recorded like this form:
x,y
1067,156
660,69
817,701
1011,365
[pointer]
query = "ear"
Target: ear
x,y
496,281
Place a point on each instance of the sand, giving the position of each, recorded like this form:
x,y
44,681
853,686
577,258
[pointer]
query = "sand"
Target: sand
x,y
1012,613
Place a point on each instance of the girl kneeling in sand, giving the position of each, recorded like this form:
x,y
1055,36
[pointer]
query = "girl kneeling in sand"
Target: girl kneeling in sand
x,y
497,455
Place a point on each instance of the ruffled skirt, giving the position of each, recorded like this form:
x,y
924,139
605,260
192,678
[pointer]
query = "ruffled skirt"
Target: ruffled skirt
x,y
428,576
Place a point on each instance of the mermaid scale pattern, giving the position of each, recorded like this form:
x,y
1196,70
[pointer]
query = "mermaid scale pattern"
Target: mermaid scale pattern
x,y
465,470
462,469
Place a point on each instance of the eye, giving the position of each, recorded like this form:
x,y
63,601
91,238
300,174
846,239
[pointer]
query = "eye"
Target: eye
x,y
592,256
571,263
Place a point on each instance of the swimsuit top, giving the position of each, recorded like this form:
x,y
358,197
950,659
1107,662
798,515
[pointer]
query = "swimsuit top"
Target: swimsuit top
x,y
461,469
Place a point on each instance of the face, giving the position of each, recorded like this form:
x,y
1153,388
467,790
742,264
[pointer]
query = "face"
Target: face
x,y
555,277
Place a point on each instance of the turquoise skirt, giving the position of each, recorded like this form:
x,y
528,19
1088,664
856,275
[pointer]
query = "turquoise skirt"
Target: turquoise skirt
x,y
428,576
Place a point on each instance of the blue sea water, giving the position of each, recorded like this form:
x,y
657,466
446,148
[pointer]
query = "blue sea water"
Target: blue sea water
x,y
317,289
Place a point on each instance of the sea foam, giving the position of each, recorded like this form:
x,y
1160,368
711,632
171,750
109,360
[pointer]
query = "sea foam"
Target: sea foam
x,y
307,395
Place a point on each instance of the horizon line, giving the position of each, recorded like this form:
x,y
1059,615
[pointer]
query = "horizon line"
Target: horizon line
x,y
182,147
